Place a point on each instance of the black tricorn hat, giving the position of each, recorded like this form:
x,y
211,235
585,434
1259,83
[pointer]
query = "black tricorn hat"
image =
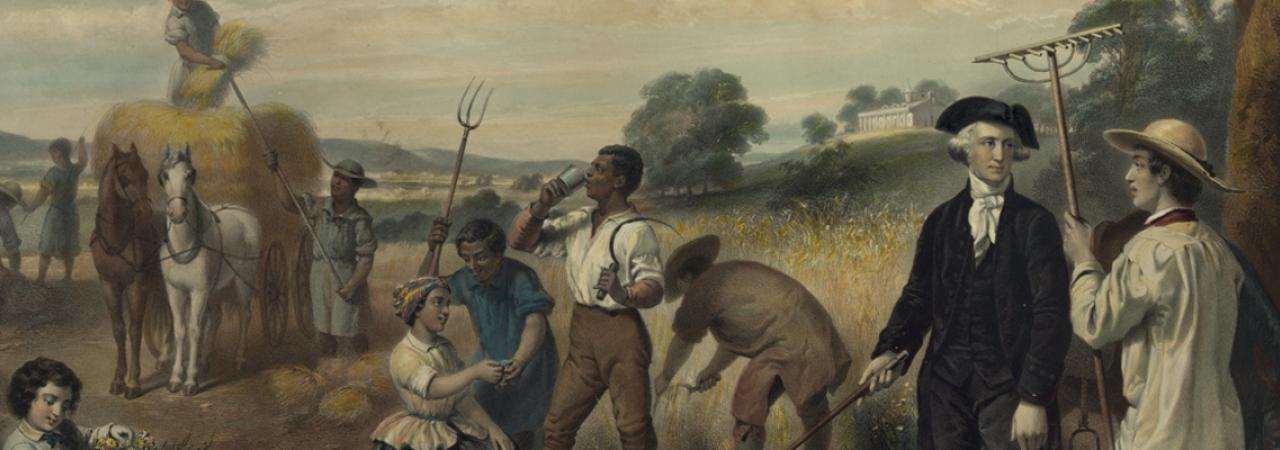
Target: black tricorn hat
x,y
977,109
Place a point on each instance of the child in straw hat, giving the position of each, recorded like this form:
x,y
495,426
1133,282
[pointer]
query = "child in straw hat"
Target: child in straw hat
x,y
10,196
432,382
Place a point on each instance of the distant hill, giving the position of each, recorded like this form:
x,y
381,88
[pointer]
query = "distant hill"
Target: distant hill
x,y
21,148
379,157
497,166
909,162
910,165
376,156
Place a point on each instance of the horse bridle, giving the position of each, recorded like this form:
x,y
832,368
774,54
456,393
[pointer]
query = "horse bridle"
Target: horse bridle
x,y
117,249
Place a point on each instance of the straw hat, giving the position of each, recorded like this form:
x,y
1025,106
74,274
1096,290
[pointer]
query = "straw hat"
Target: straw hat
x,y
353,170
692,257
1177,141
13,190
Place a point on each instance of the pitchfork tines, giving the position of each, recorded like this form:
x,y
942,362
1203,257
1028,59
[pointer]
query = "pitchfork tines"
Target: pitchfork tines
x,y
466,123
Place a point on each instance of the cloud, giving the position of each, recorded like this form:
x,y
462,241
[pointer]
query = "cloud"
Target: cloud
x,y
567,72
1042,21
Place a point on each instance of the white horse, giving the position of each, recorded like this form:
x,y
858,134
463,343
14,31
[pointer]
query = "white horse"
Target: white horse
x,y
205,250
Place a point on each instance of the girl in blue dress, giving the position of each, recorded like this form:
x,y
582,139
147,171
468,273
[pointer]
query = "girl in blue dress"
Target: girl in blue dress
x,y
60,235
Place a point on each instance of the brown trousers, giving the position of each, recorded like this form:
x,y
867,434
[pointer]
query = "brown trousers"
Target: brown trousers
x,y
607,351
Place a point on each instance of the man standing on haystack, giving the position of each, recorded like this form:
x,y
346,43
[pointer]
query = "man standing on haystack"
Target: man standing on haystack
x,y
190,28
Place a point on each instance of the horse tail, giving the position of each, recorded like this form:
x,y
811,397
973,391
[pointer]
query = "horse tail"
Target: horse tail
x,y
157,319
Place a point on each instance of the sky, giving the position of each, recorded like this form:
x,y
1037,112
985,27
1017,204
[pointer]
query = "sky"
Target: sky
x,y
566,73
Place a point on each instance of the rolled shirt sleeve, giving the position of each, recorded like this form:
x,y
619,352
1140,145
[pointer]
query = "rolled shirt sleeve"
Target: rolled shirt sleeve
x,y
414,377
175,31
639,255
529,295
545,237
366,243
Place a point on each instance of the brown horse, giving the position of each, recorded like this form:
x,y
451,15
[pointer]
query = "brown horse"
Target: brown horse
x,y
126,242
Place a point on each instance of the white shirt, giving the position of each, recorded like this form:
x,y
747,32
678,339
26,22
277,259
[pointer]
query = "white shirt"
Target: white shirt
x,y
197,26
569,236
984,214
1171,301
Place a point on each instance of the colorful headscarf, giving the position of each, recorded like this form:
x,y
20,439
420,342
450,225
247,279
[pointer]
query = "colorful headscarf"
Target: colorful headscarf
x,y
408,299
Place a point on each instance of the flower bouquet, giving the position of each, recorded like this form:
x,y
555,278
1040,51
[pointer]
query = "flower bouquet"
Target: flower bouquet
x,y
141,440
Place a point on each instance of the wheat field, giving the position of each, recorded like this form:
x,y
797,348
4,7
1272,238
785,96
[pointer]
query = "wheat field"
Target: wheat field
x,y
854,259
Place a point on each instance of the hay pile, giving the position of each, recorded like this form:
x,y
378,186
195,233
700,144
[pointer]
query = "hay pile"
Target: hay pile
x,y
340,391
242,46
227,153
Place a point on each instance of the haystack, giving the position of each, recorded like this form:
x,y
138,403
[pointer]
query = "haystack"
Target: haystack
x,y
242,46
297,388
227,154
371,371
347,404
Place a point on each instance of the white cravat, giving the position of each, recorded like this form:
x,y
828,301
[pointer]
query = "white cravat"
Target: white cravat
x,y
984,215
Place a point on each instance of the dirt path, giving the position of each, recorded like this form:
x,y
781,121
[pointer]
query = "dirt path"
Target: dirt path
x,y
69,323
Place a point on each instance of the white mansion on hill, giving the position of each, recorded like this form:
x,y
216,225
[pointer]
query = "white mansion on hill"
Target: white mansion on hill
x,y
919,114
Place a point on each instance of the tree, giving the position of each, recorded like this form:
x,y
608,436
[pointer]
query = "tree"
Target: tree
x,y
693,126
530,182
858,99
940,91
1038,101
817,128
891,96
1163,65
1252,220
827,174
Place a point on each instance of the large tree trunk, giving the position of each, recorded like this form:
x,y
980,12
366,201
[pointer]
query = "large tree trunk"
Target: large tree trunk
x,y
1252,220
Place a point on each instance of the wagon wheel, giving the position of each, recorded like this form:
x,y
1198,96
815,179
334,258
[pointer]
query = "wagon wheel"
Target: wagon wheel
x,y
272,297
302,289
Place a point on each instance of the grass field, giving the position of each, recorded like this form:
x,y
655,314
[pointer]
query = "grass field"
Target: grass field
x,y
854,262
853,255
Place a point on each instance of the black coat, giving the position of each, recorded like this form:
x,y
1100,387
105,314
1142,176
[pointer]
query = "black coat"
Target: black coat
x,y
1032,300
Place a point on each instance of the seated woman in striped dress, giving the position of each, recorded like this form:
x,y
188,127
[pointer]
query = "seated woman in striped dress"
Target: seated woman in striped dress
x,y
432,381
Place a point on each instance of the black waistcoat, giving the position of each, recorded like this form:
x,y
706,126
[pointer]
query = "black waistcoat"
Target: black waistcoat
x,y
1029,291
974,345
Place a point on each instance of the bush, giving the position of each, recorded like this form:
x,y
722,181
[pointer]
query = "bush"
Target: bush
x,y
826,175
412,227
527,183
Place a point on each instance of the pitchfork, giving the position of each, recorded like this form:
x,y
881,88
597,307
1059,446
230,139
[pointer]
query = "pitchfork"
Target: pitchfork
x,y
431,263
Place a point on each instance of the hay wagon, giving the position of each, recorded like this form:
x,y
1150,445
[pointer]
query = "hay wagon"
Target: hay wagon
x,y
227,153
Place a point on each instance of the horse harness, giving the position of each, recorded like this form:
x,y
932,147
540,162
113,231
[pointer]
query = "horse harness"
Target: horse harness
x,y
118,251
185,257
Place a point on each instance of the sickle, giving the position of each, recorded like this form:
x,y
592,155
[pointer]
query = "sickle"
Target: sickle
x,y
613,237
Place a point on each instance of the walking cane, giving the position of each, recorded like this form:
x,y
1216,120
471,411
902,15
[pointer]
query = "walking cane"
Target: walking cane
x,y
279,173
431,262
861,392
1050,49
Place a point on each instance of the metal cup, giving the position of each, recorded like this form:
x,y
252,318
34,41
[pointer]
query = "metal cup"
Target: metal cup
x,y
573,178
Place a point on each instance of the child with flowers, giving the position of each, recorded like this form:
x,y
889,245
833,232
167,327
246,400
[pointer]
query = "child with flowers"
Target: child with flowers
x,y
43,394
